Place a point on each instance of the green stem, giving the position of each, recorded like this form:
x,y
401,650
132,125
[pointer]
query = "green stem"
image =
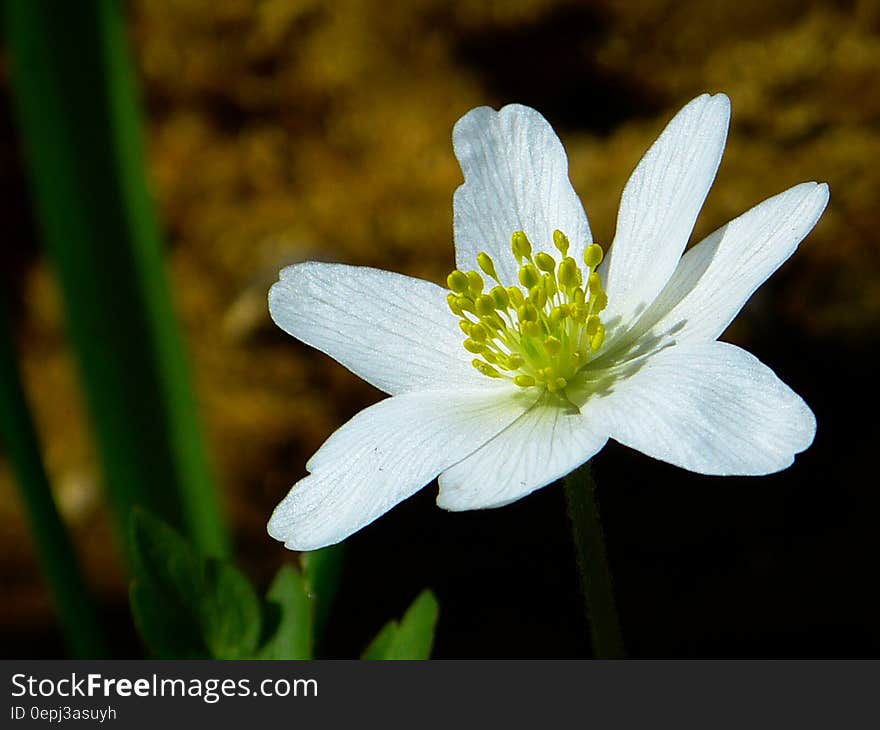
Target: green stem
x,y
589,541
79,621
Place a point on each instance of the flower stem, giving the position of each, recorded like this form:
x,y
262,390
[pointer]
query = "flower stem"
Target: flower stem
x,y
589,541
79,621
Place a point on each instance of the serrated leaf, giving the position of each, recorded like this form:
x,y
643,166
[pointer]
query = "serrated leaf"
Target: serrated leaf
x,y
288,600
413,637
185,606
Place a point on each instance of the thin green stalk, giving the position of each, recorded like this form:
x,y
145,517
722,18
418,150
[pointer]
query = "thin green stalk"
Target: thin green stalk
x,y
589,541
79,621
75,97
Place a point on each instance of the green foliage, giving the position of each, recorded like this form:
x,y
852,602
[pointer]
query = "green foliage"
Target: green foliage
x,y
412,637
322,570
75,96
187,606
288,606
18,440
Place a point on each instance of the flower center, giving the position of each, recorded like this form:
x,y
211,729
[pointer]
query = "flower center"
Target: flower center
x,y
541,333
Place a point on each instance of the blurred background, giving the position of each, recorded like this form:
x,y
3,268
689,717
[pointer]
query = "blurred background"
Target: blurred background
x,y
283,130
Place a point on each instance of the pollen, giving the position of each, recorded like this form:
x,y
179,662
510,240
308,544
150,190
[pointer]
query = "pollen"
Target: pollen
x,y
543,329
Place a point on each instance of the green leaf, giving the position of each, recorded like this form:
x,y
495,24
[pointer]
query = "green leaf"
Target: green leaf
x,y
230,612
288,602
185,606
413,637
165,626
380,644
166,592
322,570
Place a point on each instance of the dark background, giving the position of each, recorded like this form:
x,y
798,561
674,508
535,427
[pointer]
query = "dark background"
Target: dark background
x,y
282,131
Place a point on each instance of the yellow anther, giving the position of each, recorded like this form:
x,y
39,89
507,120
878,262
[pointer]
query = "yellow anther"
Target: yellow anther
x,y
557,314
538,296
526,312
522,248
457,281
560,240
484,305
568,273
552,345
529,276
485,368
593,255
500,297
493,322
487,265
545,262
479,333
541,333
598,338
579,313
475,283
465,304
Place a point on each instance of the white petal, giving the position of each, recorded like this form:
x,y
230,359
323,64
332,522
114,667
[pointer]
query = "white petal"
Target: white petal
x,y
516,178
541,446
716,277
394,331
385,454
711,408
660,204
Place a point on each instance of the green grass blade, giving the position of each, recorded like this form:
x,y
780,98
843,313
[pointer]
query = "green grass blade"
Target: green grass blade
x,y
78,115
79,621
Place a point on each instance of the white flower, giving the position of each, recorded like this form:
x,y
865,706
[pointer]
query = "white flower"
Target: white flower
x,y
561,354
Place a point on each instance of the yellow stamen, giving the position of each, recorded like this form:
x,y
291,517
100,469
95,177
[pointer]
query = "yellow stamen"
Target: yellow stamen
x,y
475,283
560,240
593,256
485,368
487,265
545,262
522,248
544,331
